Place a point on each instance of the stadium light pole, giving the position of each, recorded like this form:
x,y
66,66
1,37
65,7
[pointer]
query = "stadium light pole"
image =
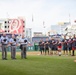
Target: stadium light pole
x,y
69,19
44,28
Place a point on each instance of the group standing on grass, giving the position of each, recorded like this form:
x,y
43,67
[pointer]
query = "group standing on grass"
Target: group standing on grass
x,y
13,42
50,46
55,46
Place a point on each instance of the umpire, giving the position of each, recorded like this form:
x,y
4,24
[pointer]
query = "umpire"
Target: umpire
x,y
23,46
4,41
13,42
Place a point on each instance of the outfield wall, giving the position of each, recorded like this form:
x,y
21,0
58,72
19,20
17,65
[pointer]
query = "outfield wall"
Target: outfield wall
x,y
29,48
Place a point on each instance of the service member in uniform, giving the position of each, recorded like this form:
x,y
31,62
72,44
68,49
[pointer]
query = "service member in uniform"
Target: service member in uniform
x,y
23,46
4,41
13,42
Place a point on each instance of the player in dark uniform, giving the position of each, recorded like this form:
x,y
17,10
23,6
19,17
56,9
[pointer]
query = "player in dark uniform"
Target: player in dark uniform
x,y
70,44
54,45
50,44
46,46
59,47
73,45
65,45
41,46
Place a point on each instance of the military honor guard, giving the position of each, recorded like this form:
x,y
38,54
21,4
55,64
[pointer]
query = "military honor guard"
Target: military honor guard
x,y
4,42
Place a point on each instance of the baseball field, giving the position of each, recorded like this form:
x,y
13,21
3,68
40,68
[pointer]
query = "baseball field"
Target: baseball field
x,y
36,64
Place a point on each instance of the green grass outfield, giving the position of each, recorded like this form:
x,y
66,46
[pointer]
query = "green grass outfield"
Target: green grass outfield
x,y
38,65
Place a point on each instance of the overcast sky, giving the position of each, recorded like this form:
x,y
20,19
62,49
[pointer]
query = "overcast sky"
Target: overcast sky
x,y
49,11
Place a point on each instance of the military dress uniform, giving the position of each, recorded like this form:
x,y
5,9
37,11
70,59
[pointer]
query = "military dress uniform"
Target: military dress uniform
x,y
23,47
4,41
13,42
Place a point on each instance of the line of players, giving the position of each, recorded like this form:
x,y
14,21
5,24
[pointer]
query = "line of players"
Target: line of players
x,y
53,46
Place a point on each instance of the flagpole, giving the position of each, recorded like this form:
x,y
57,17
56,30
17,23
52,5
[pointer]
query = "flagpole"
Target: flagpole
x,y
32,18
69,19
44,28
